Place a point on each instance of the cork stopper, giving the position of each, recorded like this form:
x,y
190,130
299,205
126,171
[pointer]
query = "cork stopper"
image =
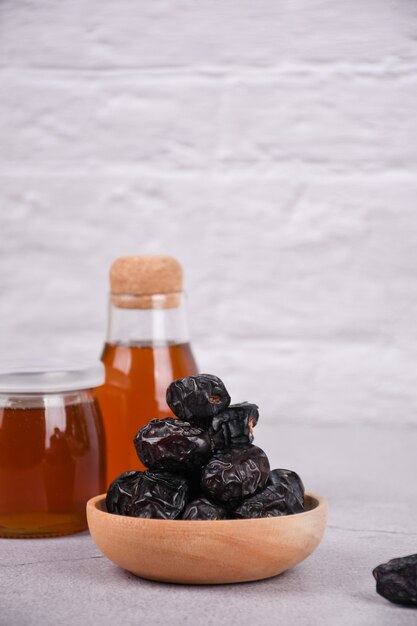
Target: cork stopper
x,y
145,282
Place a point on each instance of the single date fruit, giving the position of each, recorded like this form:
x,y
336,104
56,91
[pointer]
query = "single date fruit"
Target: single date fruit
x,y
278,498
119,494
234,427
397,580
234,474
202,509
196,399
291,481
159,495
172,445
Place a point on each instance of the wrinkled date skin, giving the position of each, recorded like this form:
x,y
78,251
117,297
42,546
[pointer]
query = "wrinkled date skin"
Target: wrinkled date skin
x,y
278,498
233,427
159,495
119,494
397,580
197,399
234,474
291,481
172,445
203,509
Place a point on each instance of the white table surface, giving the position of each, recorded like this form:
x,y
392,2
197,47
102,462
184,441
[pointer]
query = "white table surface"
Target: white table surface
x,y
370,478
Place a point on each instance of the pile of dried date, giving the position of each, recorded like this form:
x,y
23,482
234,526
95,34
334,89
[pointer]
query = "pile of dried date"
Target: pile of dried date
x,y
203,465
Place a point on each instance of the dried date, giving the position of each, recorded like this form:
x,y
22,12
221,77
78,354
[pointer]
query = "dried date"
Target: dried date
x,y
172,445
291,481
278,498
234,474
197,399
233,427
159,495
202,509
119,494
397,580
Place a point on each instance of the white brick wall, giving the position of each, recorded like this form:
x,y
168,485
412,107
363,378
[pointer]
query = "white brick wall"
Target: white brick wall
x,y
271,146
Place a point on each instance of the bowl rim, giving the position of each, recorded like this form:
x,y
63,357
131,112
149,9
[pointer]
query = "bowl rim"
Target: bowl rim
x,y
320,503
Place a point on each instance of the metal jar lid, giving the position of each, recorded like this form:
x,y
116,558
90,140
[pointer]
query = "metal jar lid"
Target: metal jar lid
x,y
50,377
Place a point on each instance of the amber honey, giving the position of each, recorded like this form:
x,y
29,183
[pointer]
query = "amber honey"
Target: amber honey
x,y
137,375
51,463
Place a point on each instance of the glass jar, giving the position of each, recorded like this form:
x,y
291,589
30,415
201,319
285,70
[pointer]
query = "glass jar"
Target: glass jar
x,y
52,449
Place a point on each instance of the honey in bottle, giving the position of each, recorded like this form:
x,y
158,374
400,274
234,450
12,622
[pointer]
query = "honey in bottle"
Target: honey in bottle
x,y
147,348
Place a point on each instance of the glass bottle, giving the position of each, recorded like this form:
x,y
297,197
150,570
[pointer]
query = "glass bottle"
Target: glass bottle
x,y
147,348
52,451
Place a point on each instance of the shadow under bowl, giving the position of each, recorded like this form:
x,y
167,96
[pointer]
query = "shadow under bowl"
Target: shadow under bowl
x,y
207,552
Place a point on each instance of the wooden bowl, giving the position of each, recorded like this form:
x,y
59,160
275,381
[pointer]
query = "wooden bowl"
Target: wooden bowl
x,y
207,552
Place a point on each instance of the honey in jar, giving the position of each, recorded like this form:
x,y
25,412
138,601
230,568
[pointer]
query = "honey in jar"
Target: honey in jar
x,y
52,451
